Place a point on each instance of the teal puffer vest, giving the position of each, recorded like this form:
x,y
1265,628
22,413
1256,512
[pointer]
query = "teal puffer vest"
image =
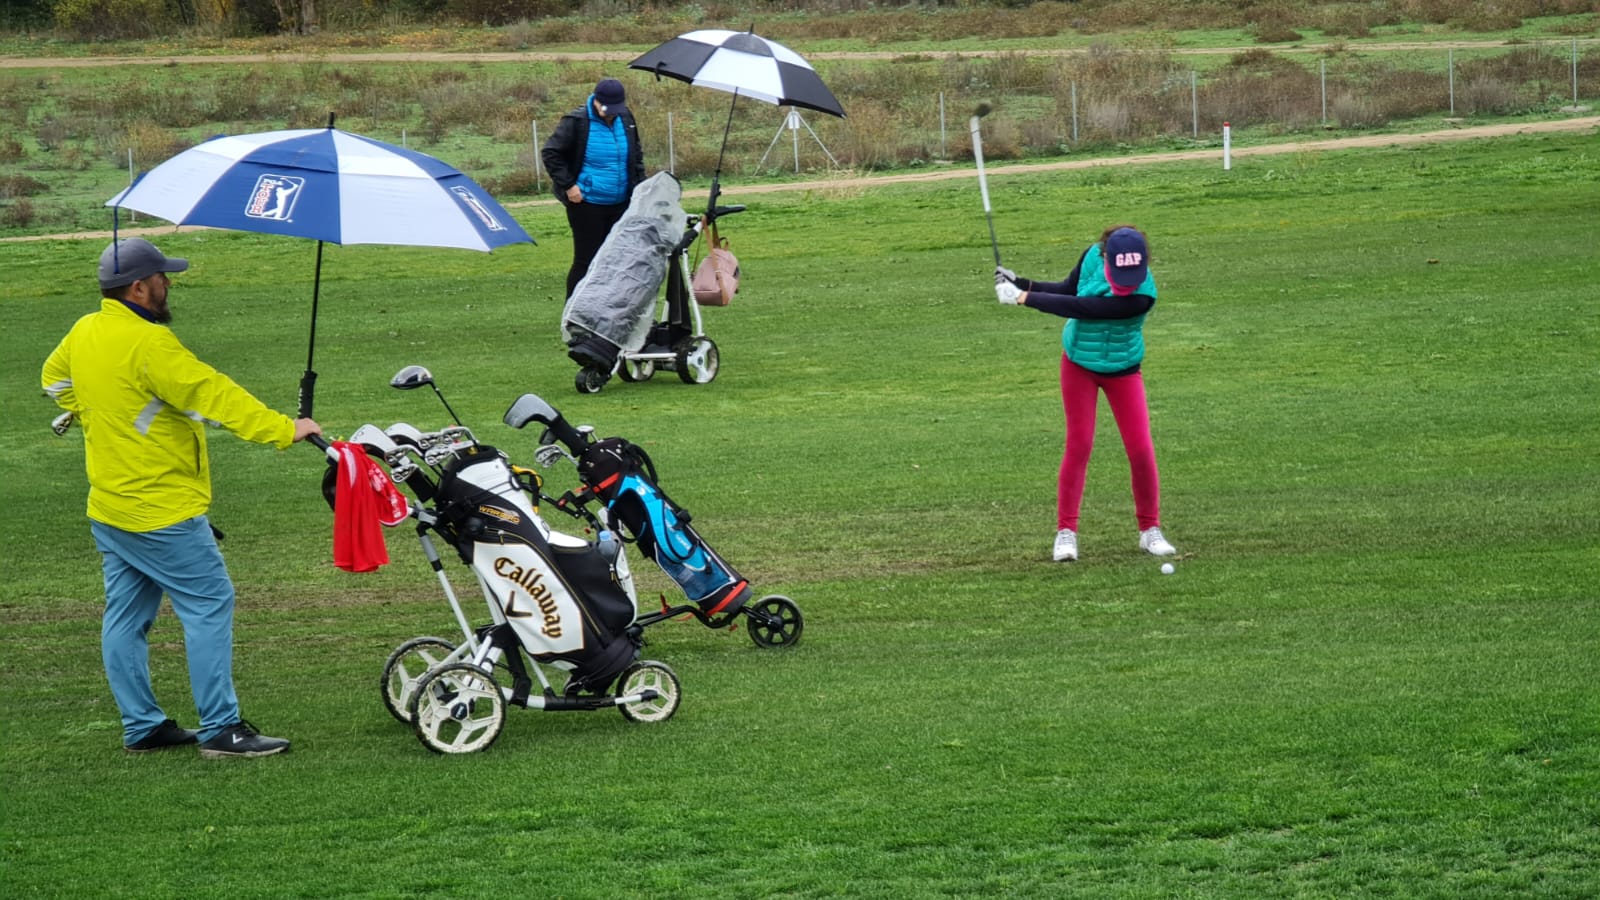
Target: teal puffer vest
x,y
1104,345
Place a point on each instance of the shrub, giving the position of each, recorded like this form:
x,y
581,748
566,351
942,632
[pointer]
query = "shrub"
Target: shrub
x,y
11,150
101,19
1355,111
17,214
15,186
151,145
1274,25
504,12
516,183
1108,119
1487,17
1487,96
50,134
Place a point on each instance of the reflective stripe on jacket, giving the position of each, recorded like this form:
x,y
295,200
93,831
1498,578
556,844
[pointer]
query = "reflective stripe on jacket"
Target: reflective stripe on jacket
x,y
143,400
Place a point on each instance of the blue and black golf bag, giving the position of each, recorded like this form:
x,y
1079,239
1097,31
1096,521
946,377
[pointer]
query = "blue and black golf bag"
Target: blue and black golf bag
x,y
623,477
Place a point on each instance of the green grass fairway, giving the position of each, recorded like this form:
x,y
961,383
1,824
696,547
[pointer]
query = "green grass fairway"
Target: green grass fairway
x,y
1373,379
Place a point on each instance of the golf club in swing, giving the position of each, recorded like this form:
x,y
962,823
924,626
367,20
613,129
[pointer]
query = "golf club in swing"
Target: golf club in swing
x,y
983,182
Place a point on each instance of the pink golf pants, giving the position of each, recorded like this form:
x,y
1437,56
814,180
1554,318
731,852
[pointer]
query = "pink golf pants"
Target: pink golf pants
x,y
1125,393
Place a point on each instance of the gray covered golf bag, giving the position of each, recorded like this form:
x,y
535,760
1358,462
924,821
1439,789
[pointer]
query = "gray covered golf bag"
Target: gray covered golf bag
x,y
612,309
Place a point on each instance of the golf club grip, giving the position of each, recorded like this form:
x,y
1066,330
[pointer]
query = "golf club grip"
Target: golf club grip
x,y
566,434
977,154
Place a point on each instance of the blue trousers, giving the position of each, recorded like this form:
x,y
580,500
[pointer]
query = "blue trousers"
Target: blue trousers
x,y
183,562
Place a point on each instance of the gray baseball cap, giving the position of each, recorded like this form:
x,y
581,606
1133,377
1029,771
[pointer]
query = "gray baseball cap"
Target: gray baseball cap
x,y
125,262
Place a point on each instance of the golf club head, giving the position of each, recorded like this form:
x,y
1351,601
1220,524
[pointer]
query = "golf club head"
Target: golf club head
x,y
371,438
530,408
549,454
982,110
533,408
411,378
404,435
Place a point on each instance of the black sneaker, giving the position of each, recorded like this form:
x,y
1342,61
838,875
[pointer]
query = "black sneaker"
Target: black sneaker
x,y
163,737
241,739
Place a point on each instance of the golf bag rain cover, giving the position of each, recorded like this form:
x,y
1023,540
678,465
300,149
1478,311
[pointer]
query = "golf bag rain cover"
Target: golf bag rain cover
x,y
563,602
616,299
621,474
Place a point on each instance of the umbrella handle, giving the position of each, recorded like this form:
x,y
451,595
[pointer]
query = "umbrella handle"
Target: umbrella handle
x,y
308,387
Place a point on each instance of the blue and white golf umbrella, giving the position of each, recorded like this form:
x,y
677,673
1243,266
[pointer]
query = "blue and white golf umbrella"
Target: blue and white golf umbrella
x,y
327,185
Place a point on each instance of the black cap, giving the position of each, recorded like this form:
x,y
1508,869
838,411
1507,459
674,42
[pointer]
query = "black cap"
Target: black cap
x,y
610,94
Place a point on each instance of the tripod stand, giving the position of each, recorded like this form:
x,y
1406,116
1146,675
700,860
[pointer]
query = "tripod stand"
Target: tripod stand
x,y
793,122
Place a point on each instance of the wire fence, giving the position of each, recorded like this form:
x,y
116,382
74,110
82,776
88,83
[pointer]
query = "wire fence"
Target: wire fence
x,y
1126,98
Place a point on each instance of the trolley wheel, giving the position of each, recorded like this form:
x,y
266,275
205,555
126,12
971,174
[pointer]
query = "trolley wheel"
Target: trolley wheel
x,y
774,621
405,667
652,675
590,380
697,360
636,370
457,708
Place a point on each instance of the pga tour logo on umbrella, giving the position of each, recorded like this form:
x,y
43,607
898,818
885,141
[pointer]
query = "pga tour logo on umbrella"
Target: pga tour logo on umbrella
x,y
274,197
472,202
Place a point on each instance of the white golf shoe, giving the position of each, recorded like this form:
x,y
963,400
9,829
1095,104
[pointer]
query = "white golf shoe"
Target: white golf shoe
x,y
1152,542
1066,549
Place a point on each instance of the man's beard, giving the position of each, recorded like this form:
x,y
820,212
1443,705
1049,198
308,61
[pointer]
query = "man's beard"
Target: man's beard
x,y
162,313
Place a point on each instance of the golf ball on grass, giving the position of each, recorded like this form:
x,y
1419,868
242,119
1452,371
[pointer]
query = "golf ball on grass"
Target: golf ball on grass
x,y
1167,568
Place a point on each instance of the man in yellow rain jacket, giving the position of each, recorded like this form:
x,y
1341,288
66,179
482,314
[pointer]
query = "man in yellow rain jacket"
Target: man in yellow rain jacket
x,y
143,401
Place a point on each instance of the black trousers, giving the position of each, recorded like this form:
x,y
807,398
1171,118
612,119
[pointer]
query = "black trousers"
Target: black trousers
x,y
590,224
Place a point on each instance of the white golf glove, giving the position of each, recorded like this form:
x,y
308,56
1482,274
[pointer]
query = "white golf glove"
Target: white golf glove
x,y
1008,293
1001,273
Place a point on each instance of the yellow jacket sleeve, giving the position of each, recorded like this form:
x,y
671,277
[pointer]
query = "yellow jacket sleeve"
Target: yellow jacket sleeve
x,y
191,387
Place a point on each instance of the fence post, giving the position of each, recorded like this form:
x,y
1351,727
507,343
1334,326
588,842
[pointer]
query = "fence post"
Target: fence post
x,y
1324,93
132,216
672,151
1194,101
1574,71
1450,66
538,183
1227,147
943,153
1074,110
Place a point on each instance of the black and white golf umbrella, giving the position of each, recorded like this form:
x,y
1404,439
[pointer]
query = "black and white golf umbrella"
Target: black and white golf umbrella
x,y
743,64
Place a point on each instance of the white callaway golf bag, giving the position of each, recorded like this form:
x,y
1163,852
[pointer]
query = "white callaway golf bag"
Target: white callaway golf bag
x,y
559,600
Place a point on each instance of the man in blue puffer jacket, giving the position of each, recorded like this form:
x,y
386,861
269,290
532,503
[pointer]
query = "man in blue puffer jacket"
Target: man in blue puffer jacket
x,y
595,160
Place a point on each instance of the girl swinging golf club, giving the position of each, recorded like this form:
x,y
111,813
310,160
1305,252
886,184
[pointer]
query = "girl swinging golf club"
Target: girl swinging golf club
x,y
1105,300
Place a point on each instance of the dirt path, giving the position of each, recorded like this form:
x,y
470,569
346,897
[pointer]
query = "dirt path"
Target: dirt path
x,y
1584,123
623,56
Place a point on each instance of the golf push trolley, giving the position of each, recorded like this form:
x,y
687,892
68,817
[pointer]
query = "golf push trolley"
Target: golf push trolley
x,y
614,324
562,608
620,478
